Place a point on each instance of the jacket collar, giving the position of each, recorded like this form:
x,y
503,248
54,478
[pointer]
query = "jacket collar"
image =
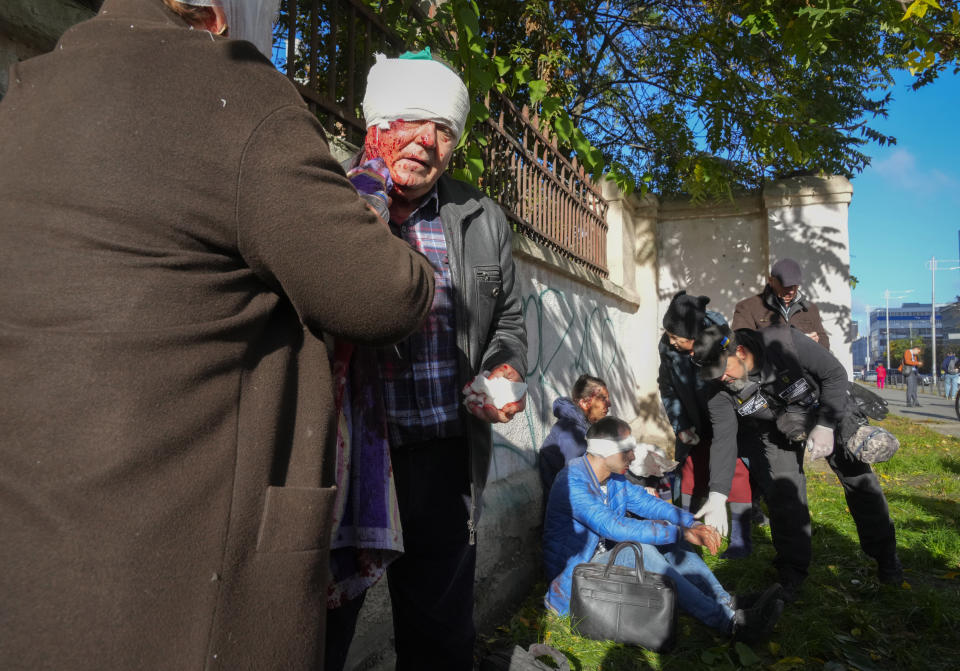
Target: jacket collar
x,y
773,302
458,201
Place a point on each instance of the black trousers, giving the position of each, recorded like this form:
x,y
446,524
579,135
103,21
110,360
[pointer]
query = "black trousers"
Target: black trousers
x,y
778,467
431,584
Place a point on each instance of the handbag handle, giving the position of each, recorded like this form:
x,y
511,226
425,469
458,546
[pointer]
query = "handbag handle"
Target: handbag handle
x,y
637,554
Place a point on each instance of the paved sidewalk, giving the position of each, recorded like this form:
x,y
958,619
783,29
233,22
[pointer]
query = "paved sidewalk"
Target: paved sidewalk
x,y
936,412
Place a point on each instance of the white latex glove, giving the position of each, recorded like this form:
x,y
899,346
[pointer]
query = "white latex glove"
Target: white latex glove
x,y
820,442
714,512
689,436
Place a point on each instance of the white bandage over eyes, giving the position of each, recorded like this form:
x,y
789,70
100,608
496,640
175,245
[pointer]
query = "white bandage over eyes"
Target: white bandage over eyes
x,y
604,447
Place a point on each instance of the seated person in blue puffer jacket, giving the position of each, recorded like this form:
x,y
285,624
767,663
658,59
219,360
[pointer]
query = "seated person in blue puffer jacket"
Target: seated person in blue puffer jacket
x,y
589,401
587,516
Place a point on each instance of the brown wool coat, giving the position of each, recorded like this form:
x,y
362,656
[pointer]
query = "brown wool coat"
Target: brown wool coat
x,y
758,312
175,241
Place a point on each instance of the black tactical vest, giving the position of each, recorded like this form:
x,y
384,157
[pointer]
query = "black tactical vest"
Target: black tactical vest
x,y
784,394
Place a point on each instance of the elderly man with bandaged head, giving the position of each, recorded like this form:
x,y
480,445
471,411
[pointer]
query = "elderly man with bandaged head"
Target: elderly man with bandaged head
x,y
177,245
444,386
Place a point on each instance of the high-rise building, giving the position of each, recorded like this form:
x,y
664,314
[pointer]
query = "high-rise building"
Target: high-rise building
x,y
912,321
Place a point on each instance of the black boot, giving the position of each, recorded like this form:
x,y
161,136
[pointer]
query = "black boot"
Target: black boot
x,y
792,582
890,570
756,623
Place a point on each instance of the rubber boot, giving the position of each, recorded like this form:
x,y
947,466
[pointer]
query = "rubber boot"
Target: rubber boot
x,y
741,532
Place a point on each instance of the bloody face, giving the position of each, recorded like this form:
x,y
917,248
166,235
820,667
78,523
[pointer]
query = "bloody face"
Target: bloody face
x,y
597,406
620,462
416,153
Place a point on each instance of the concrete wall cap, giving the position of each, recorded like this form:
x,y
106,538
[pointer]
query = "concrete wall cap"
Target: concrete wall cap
x,y
807,191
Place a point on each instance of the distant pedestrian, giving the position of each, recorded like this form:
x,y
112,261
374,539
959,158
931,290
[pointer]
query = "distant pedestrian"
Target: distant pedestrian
x,y
881,375
951,373
911,373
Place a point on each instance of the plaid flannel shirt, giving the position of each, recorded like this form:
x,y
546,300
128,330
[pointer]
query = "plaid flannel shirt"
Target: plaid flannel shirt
x,y
420,387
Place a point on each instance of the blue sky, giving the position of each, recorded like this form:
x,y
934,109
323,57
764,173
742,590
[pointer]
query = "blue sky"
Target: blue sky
x,y
906,204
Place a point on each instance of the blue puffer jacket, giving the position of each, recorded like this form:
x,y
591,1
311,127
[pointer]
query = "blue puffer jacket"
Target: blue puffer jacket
x,y
577,518
567,440
682,392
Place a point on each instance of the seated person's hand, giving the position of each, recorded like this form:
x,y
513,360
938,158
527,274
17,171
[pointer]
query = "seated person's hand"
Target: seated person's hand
x,y
487,411
704,535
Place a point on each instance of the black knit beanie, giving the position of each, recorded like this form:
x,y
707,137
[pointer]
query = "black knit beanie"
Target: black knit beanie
x,y
685,315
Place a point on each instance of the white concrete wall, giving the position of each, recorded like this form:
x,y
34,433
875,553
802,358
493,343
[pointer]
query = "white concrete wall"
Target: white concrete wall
x,y
718,251
807,221
725,250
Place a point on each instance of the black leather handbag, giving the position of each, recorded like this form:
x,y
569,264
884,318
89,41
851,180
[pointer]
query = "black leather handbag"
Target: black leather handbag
x,y
625,605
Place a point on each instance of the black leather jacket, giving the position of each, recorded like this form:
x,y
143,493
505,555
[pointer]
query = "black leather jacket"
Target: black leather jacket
x,y
489,312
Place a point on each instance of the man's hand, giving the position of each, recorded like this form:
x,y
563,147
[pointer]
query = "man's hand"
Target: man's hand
x,y
714,512
704,535
820,442
494,415
689,436
814,336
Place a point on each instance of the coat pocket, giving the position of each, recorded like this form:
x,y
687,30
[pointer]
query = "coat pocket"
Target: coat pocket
x,y
489,288
296,519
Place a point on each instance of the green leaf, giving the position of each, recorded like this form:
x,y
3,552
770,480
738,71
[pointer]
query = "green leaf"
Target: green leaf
x,y
479,111
524,75
551,105
564,127
467,24
538,89
747,656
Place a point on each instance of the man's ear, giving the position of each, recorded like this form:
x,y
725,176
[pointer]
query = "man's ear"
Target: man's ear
x,y
218,24
741,352
584,404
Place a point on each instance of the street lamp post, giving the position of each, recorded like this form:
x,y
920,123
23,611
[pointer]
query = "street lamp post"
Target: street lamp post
x,y
868,342
934,266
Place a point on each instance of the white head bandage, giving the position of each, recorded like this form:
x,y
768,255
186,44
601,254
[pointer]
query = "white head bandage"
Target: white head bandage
x,y
250,20
415,89
604,447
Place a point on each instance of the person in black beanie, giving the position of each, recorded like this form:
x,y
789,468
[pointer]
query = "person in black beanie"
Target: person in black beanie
x,y
684,399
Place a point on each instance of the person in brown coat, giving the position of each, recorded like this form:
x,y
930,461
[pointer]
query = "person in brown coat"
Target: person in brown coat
x,y
782,302
175,243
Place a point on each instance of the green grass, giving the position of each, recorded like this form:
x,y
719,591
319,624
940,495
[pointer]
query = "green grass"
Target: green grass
x,y
845,618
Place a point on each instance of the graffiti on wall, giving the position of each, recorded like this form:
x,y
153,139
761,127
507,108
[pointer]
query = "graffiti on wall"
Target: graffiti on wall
x,y
568,334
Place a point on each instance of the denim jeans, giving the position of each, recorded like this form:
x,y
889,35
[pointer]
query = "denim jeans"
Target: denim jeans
x,y
950,384
699,593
